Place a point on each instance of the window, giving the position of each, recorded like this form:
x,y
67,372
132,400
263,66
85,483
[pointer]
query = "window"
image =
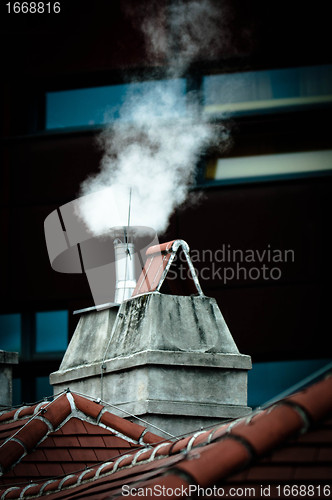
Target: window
x,y
268,167
236,94
268,380
10,332
256,92
51,331
95,106
41,338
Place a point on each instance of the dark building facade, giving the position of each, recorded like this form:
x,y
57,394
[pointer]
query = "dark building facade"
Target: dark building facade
x,y
241,222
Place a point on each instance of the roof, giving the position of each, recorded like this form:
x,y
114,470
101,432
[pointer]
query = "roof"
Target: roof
x,y
289,442
60,438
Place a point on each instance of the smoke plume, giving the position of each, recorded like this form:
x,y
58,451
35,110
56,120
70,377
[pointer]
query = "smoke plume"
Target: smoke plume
x,y
153,149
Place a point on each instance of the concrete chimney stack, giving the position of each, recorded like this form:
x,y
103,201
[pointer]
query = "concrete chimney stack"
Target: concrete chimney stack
x,y
169,359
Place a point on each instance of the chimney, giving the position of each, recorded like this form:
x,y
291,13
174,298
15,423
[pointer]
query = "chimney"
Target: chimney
x,y
7,360
166,357
124,251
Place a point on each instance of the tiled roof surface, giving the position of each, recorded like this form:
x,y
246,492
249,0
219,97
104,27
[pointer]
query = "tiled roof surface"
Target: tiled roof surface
x,y
302,459
63,437
288,443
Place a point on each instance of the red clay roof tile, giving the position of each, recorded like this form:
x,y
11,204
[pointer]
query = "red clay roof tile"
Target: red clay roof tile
x,y
130,429
180,445
321,473
211,463
56,413
13,492
295,453
112,441
88,441
35,456
318,436
68,481
159,260
219,431
83,454
164,449
218,459
150,438
88,407
11,452
61,440
163,248
263,432
52,486
103,454
143,455
270,473
30,410
32,489
325,454
52,458
316,400
26,469
7,415
8,429
32,433
151,274
73,467
74,426
58,455
44,469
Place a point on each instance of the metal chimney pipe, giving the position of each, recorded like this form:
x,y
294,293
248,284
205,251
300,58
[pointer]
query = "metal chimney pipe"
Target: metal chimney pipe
x,y
125,270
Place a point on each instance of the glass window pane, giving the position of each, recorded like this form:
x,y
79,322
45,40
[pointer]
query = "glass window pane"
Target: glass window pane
x,y
275,90
51,331
268,380
101,105
43,388
269,167
10,332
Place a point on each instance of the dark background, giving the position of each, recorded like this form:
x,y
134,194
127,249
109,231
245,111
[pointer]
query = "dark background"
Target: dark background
x,y
95,43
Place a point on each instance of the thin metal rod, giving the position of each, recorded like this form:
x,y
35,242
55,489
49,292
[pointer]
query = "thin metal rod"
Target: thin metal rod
x,y
138,418
100,400
128,224
129,208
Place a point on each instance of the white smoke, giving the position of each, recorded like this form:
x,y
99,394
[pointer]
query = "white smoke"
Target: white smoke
x,y
196,29
153,150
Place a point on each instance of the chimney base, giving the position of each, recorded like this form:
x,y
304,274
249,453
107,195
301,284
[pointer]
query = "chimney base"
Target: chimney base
x,y
177,391
170,360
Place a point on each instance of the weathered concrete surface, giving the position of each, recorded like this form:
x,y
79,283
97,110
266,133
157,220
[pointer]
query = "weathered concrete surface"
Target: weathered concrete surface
x,y
212,360
90,339
7,360
157,385
167,358
171,322
156,376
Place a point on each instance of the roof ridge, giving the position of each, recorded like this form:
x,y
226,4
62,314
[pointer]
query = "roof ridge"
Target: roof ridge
x,y
15,414
45,418
226,448
32,432
109,420
239,444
